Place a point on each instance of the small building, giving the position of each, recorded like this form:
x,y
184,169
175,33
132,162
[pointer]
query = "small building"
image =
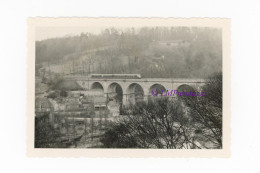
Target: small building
x,y
68,85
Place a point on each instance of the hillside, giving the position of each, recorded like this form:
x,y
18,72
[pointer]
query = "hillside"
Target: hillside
x,y
178,52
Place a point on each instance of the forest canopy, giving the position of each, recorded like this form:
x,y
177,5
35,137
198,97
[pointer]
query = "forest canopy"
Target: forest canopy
x,y
178,52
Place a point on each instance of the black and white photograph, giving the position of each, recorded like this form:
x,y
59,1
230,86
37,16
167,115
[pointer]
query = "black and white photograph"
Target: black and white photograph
x,y
129,87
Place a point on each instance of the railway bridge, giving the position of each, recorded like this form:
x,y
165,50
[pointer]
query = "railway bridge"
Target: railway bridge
x,y
132,88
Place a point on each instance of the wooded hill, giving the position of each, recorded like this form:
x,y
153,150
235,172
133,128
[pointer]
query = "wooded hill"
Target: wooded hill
x,y
179,52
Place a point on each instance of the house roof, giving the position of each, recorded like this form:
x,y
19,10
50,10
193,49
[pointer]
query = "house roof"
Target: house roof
x,y
70,85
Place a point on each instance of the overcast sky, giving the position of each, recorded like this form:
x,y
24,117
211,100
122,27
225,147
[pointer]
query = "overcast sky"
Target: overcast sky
x,y
43,33
54,29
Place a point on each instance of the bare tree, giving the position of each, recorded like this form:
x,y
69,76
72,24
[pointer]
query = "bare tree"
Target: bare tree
x,y
206,114
184,122
161,123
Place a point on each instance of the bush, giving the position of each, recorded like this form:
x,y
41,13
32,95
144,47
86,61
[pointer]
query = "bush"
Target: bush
x,y
45,135
52,95
114,138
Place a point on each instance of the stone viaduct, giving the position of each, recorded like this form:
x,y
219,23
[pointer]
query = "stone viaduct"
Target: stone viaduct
x,y
133,90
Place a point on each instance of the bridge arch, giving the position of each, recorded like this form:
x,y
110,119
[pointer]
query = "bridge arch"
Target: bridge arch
x,y
115,93
156,88
97,88
185,88
160,88
135,93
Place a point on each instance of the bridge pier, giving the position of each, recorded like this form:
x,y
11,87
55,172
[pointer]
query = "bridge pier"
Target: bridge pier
x,y
146,98
125,100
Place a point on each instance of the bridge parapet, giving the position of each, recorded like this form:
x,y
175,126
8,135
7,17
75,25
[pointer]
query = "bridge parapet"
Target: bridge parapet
x,y
128,87
175,80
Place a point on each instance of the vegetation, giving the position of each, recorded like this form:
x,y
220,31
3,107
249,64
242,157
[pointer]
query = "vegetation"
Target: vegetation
x,y
52,95
197,53
207,111
45,135
191,122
